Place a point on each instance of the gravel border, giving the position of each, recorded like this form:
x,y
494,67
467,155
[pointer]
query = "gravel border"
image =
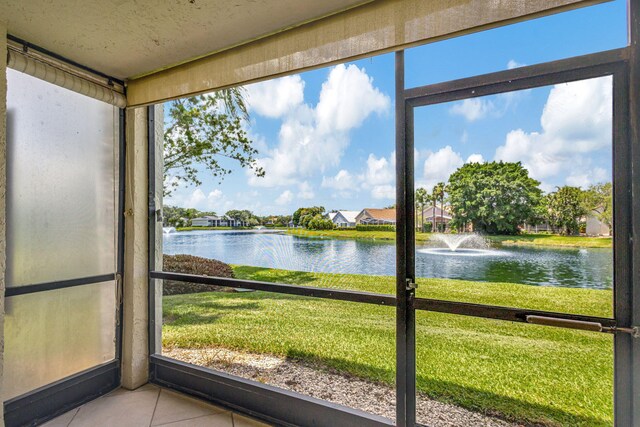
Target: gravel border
x,y
327,384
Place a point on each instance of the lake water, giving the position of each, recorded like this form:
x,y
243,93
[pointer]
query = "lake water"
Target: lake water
x,y
570,267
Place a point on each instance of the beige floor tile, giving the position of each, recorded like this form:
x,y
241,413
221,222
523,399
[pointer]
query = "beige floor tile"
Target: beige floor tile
x,y
146,387
174,406
121,410
242,421
63,420
218,420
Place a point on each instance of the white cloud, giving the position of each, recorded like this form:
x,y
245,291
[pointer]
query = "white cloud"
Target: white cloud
x,y
575,121
215,200
585,179
473,109
475,158
379,176
383,192
342,181
306,192
285,198
464,138
347,98
439,165
312,139
277,97
196,199
379,170
514,64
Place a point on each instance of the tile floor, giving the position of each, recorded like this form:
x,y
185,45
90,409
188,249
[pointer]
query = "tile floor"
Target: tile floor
x,y
147,406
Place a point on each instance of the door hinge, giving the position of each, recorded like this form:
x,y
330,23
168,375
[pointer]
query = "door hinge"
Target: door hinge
x,y
411,285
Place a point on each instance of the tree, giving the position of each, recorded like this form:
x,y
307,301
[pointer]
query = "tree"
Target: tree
x,y
303,215
438,194
201,131
598,200
173,216
422,198
565,207
318,222
434,202
496,197
247,217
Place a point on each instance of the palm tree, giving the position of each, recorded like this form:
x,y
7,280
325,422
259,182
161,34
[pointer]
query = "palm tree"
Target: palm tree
x,y
438,194
421,201
434,201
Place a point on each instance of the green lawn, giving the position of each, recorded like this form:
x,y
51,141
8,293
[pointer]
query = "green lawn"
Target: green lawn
x,y
523,239
554,240
210,228
523,372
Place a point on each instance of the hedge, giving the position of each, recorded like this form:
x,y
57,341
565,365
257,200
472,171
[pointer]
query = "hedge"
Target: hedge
x,y
190,264
366,227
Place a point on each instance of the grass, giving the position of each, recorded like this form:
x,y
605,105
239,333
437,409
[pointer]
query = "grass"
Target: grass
x,y
554,240
522,239
211,228
525,373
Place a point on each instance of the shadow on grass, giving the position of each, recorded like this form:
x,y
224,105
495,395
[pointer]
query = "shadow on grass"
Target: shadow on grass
x,y
207,312
491,404
263,274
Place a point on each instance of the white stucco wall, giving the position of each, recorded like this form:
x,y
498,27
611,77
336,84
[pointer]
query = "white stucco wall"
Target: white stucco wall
x,y
135,343
135,284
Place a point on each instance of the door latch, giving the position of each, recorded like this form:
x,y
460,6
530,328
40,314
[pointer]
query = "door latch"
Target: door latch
x,y
411,284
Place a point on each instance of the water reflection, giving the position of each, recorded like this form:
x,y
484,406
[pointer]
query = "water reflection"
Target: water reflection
x,y
588,268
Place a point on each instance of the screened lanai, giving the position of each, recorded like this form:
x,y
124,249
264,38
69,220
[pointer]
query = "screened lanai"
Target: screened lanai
x,y
87,89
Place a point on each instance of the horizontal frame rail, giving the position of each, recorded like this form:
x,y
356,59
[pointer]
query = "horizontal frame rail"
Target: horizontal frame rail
x,y
307,291
521,78
500,313
269,403
61,284
426,304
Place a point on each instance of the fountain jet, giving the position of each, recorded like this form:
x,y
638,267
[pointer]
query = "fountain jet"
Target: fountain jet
x,y
454,241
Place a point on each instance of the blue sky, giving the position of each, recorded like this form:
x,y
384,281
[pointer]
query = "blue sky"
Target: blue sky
x,y
326,137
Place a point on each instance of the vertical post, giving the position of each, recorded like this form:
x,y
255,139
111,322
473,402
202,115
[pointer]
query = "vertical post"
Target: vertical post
x,y
156,164
120,218
151,140
135,355
3,187
405,257
632,346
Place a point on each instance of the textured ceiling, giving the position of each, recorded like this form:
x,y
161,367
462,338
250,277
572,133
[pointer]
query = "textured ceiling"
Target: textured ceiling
x,y
126,38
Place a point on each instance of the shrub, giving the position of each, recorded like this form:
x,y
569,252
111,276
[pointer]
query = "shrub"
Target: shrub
x,y
367,227
320,223
426,227
189,264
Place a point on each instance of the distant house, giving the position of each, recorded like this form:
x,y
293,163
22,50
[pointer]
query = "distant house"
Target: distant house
x,y
435,214
372,216
538,228
343,219
595,227
216,221
440,216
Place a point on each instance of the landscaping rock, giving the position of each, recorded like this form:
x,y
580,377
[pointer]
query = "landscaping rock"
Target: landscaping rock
x,y
328,384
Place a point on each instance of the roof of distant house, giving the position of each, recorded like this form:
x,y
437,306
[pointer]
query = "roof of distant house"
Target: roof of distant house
x,y
350,216
382,214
